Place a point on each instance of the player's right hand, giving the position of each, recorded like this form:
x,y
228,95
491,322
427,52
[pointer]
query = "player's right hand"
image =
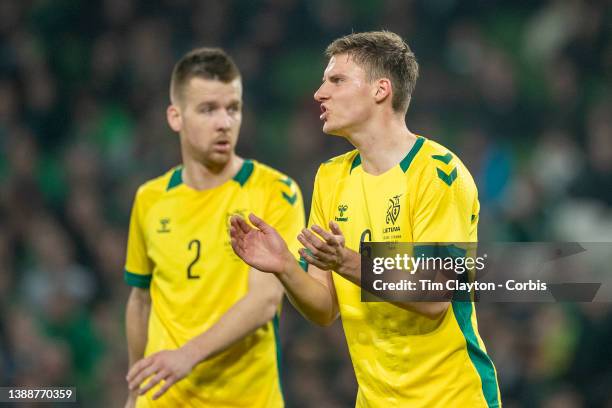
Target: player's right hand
x,y
261,247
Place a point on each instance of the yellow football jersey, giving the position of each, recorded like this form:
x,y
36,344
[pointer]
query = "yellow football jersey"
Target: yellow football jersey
x,y
179,246
401,358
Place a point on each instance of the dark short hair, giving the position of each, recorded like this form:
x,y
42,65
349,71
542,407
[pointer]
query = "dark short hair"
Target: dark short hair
x,y
382,54
205,63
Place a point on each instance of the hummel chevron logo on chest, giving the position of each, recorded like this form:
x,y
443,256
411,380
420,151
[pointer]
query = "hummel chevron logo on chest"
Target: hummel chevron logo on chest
x,y
163,227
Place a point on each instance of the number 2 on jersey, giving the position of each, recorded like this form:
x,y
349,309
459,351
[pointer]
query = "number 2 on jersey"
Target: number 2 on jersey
x,y
198,247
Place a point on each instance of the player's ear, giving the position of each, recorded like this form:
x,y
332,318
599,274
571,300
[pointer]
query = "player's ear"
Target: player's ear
x,y
382,89
173,115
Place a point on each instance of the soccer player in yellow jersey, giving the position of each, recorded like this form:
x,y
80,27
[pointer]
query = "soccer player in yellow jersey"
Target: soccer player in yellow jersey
x,y
395,187
204,321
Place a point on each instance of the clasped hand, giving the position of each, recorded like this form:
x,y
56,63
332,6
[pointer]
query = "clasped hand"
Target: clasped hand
x,y
263,248
325,250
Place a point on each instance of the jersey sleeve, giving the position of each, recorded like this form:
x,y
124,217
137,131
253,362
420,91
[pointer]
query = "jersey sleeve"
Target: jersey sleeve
x,y
444,211
317,216
285,211
138,269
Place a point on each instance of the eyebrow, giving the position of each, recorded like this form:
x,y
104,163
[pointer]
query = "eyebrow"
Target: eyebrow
x,y
214,104
206,103
333,76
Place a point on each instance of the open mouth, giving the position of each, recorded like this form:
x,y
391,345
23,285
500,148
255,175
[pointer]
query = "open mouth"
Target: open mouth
x,y
222,145
323,115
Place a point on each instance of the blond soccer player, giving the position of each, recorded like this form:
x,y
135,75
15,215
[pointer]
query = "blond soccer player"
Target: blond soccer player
x,y
394,187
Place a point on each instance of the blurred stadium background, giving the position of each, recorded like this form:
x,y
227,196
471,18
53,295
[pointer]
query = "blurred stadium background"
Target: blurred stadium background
x,y
521,91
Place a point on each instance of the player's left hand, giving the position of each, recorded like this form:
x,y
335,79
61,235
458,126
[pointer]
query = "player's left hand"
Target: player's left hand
x,y
170,366
261,247
328,253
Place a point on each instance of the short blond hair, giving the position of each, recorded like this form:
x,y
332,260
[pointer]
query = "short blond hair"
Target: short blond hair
x,y
382,54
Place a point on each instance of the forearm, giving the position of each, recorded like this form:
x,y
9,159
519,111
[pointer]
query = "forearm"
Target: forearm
x,y
308,295
263,248
136,322
247,315
351,270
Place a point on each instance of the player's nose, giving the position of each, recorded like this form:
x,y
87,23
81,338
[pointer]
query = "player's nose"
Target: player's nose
x,y
224,120
321,94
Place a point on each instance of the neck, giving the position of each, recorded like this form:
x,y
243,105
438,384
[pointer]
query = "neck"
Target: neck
x,y
201,176
382,143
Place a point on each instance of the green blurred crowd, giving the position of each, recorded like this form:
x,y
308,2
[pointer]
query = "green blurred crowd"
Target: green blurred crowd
x,y
521,91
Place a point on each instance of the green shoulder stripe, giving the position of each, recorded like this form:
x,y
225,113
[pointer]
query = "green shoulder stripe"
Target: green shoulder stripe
x,y
134,279
290,198
405,163
447,178
444,159
244,173
286,181
356,162
176,179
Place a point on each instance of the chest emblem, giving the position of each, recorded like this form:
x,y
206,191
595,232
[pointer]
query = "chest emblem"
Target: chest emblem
x,y
393,209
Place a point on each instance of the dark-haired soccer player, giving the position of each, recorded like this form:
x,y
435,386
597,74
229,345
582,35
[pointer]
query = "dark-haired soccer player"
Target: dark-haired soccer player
x,y
205,321
396,186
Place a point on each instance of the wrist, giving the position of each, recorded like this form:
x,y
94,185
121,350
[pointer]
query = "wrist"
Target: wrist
x,y
288,265
194,353
287,277
350,263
